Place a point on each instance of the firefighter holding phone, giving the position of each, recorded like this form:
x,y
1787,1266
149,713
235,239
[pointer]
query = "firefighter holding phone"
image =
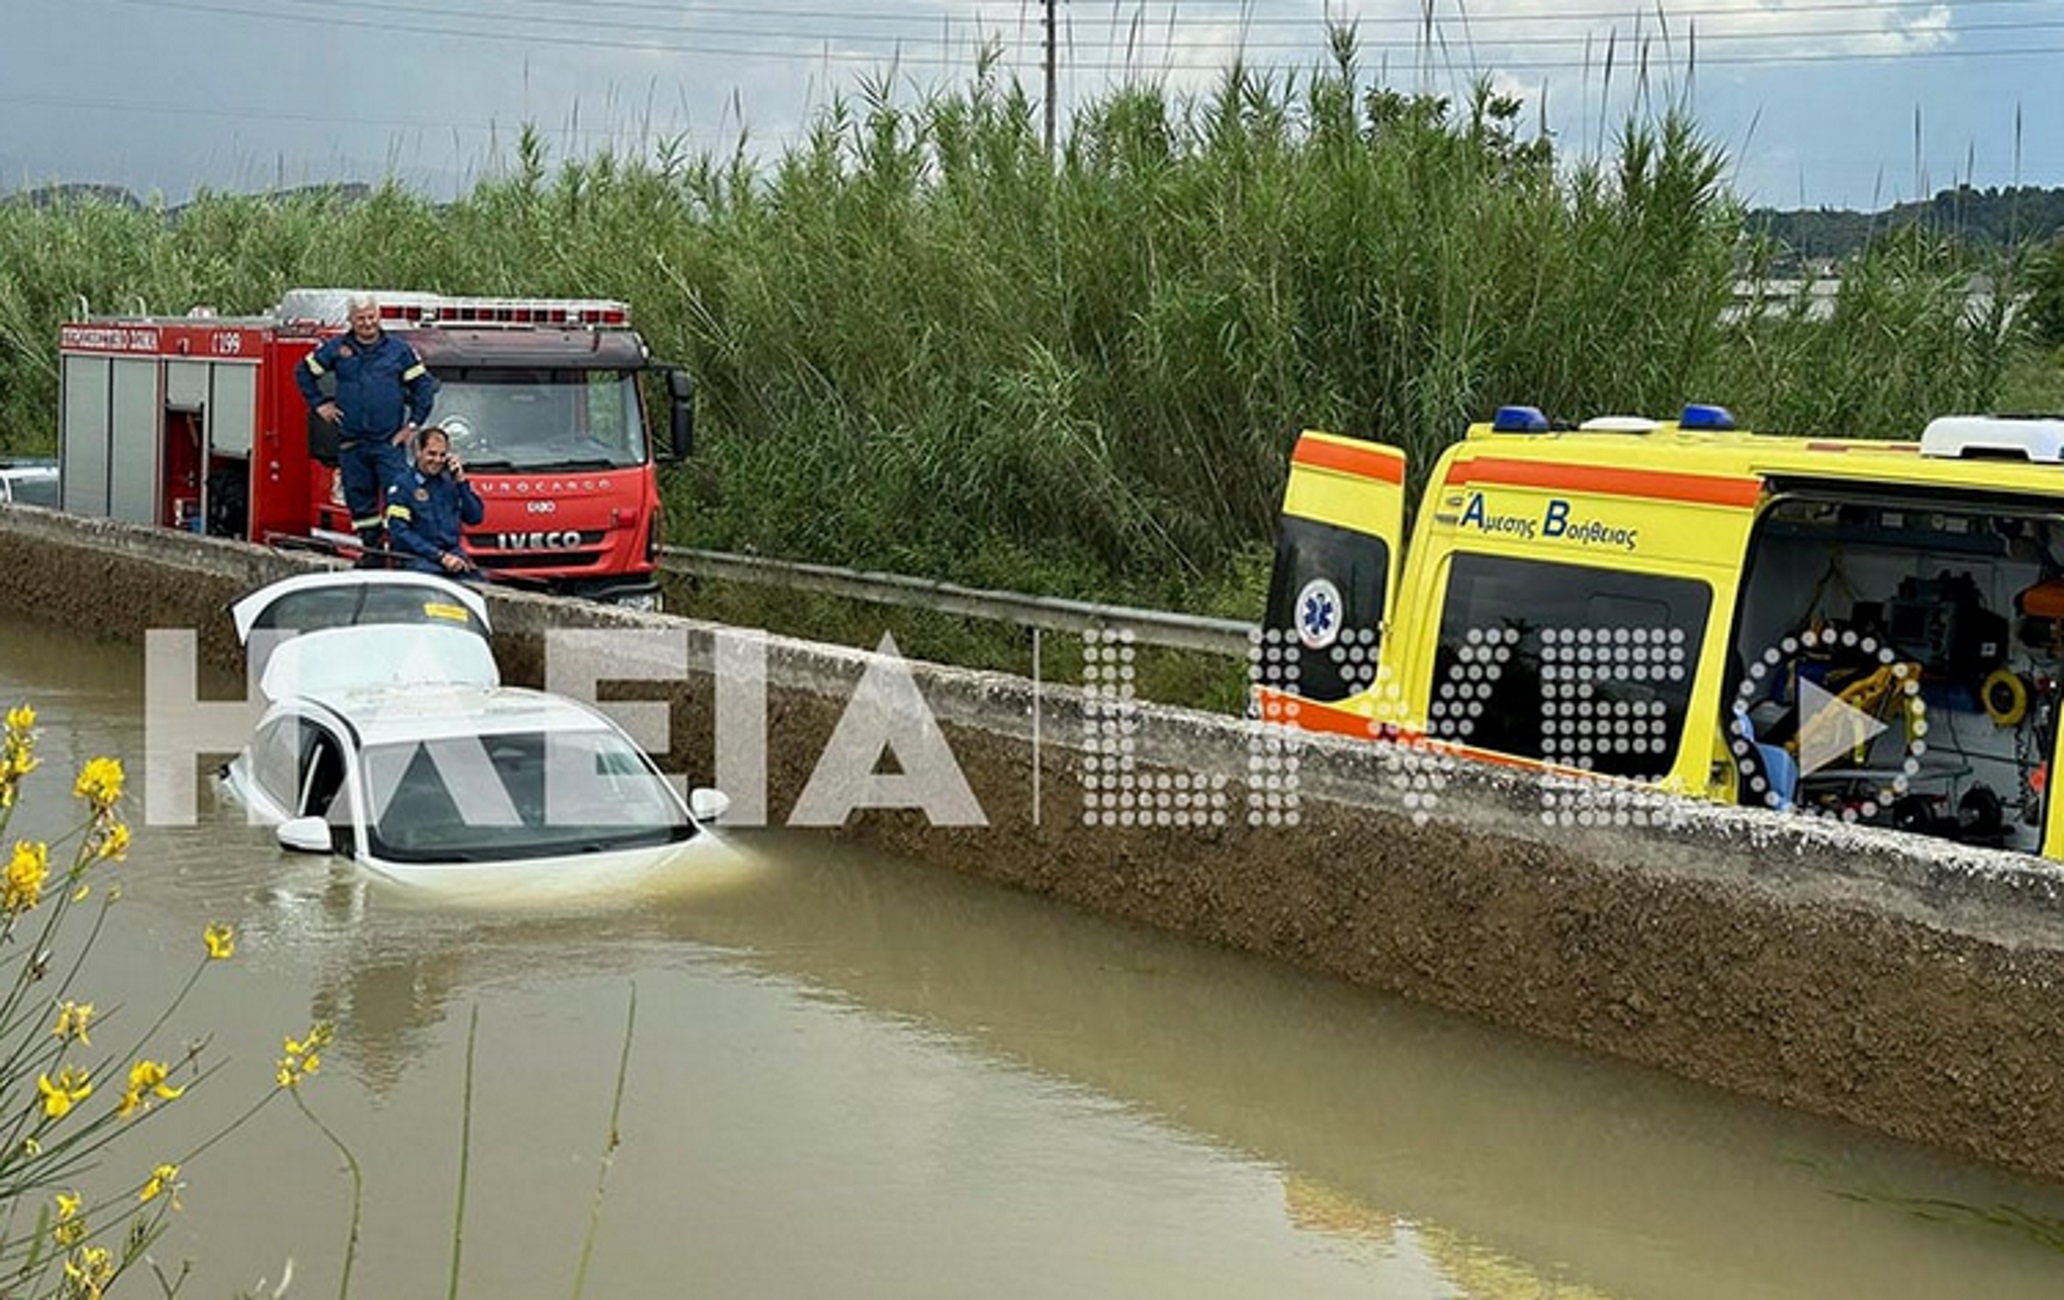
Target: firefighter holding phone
x,y
428,505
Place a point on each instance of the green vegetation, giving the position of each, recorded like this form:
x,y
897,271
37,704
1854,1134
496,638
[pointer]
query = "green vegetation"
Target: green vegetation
x,y
925,346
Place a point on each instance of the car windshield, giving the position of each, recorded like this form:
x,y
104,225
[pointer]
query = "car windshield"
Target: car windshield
x,y
542,419
524,795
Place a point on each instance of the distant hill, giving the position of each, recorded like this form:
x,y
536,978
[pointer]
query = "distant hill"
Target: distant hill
x,y
80,192
345,193
1992,216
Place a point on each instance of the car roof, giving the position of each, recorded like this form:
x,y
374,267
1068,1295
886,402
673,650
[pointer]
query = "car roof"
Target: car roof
x,y
386,715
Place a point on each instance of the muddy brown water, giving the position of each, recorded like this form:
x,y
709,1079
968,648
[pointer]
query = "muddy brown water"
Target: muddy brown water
x,y
854,1076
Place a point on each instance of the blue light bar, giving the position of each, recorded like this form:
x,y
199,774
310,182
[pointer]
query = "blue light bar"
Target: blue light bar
x,y
1519,419
1699,415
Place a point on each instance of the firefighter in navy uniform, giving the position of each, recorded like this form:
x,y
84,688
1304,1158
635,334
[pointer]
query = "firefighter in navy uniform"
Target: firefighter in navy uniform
x,y
426,507
383,392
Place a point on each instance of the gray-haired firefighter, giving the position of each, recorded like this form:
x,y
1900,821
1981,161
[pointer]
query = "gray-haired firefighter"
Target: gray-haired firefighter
x,y
383,393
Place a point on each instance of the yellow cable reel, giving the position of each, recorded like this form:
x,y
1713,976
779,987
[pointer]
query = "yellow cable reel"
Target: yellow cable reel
x,y
2005,696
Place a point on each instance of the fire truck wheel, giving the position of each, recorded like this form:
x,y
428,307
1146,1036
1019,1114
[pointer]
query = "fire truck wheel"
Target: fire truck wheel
x,y
228,503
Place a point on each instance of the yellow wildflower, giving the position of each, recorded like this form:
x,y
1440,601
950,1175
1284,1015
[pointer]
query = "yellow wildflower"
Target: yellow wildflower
x,y
21,887
89,1269
111,842
100,783
160,1179
31,1148
17,751
72,1019
70,1229
71,1087
221,940
14,765
146,1077
303,1058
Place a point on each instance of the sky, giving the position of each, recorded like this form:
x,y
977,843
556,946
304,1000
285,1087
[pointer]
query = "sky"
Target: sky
x,y
1817,103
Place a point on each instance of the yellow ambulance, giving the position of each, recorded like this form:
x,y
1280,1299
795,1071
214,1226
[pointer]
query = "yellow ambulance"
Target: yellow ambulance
x,y
1861,629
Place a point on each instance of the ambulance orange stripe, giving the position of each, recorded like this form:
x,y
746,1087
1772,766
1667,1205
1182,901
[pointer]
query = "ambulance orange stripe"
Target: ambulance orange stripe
x,y
1911,448
1358,461
1332,720
1311,715
1698,489
1289,710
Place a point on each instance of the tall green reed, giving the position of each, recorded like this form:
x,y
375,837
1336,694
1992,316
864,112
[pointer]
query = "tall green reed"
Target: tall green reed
x,y
925,344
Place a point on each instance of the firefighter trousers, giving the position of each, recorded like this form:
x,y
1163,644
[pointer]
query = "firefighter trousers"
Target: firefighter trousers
x,y
367,466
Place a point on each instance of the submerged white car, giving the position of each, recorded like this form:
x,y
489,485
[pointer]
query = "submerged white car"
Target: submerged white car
x,y
388,737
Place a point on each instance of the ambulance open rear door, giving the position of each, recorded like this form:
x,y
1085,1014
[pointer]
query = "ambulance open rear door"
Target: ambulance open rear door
x,y
1338,543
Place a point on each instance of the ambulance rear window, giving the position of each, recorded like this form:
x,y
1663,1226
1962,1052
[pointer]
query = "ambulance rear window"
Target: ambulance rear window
x,y
1581,667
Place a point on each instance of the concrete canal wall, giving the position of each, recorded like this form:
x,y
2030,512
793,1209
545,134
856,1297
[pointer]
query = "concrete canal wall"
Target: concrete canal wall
x,y
1913,989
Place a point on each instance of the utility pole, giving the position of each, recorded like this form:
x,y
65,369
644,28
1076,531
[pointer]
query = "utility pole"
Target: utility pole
x,y
1051,79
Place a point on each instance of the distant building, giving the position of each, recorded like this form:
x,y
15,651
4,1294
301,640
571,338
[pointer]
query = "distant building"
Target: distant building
x,y
1816,296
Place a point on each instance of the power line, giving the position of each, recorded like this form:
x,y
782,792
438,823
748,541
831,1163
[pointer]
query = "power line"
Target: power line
x,y
918,53
923,54
1014,12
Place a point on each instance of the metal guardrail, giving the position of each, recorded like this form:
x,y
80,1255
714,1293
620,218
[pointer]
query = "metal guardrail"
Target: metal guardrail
x,y
1222,636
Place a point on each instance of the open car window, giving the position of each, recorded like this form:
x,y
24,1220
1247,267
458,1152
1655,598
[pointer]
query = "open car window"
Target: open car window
x,y
317,601
311,611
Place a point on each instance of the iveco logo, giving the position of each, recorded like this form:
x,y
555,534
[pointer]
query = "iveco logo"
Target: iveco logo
x,y
541,507
550,541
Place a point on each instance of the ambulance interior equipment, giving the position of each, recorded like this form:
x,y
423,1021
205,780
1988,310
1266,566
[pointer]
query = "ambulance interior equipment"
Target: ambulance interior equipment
x,y
1932,628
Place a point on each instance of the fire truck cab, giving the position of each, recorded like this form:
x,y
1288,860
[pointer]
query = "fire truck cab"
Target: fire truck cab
x,y
195,422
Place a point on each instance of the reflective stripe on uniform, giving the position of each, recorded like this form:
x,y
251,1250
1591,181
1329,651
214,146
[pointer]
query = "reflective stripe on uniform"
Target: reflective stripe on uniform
x,y
358,525
416,371
314,366
398,511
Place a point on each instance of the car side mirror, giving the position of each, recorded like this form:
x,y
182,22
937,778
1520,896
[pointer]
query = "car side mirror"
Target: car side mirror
x,y
680,413
707,805
306,835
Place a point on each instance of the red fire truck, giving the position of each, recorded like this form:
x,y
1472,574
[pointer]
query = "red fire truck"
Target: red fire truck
x,y
194,422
